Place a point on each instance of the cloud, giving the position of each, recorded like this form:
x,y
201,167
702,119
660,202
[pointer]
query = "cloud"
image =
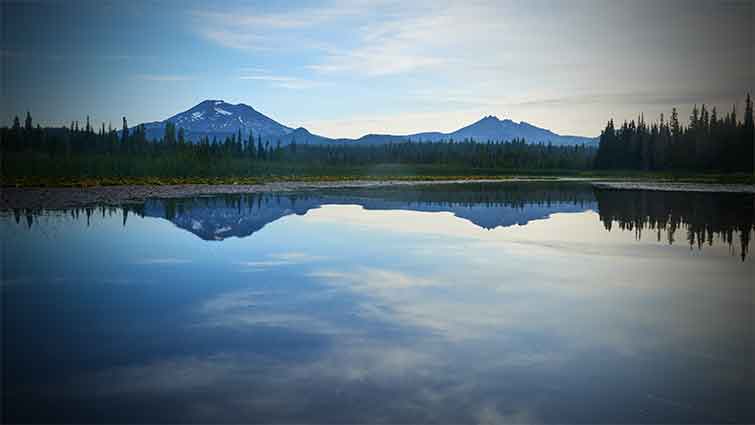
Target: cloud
x,y
247,386
374,279
379,50
234,300
282,259
285,82
161,261
375,61
248,308
254,20
237,40
557,66
164,77
253,29
656,97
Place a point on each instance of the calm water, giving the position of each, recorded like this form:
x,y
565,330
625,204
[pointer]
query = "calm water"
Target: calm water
x,y
537,302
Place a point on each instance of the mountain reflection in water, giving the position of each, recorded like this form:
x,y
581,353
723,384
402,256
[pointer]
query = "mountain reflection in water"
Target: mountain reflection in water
x,y
703,217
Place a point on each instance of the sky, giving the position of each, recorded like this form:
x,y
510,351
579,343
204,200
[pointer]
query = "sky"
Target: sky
x,y
347,68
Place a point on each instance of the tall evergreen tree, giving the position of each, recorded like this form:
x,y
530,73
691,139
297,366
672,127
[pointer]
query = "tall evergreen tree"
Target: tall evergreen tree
x,y
124,132
27,124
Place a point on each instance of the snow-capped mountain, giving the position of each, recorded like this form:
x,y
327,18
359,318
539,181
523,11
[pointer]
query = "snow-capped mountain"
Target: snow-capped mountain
x,y
219,119
216,118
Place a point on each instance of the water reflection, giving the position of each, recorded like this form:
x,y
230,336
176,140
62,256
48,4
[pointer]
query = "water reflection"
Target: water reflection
x,y
421,305
704,217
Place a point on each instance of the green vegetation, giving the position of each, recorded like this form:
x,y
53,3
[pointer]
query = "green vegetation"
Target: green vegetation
x,y
70,154
708,150
708,144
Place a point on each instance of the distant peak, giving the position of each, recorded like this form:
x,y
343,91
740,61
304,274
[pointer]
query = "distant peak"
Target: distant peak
x,y
488,121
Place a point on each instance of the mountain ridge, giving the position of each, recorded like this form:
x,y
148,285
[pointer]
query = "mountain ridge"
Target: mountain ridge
x,y
217,119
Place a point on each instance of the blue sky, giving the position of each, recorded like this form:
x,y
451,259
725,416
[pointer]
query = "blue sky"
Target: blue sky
x,y
346,68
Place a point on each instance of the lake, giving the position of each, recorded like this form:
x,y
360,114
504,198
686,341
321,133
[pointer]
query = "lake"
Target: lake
x,y
512,302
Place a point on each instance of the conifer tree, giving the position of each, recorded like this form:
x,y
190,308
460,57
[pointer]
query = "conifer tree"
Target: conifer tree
x,y
124,132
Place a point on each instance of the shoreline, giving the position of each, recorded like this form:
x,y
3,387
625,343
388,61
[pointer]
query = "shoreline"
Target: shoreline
x,y
71,197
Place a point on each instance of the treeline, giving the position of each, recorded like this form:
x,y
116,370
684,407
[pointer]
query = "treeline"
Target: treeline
x,y
709,142
82,150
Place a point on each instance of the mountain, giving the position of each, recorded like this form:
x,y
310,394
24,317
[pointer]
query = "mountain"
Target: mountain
x,y
219,119
488,128
492,128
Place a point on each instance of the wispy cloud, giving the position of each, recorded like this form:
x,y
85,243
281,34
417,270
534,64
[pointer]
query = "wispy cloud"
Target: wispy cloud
x,y
375,61
254,70
285,82
164,77
282,259
161,261
252,29
656,97
267,78
556,68
291,19
373,279
378,49
237,39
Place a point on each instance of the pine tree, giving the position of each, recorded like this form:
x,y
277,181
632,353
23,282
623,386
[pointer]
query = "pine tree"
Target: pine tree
x,y
250,146
169,136
27,124
124,132
238,147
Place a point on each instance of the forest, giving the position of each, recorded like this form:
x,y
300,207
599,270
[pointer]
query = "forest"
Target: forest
x,y
83,151
709,143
